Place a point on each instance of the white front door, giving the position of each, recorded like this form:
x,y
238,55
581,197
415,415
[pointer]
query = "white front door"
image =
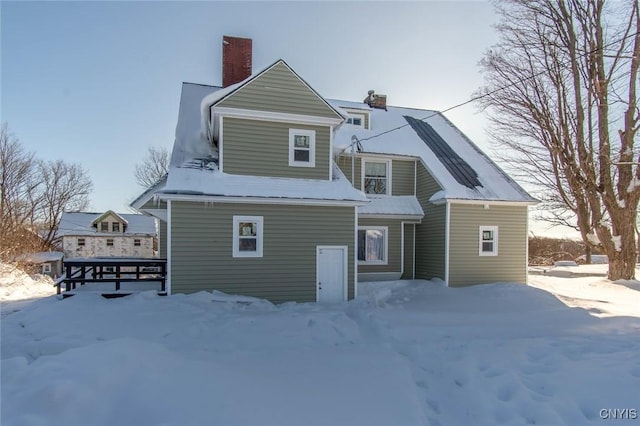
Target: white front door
x,y
331,273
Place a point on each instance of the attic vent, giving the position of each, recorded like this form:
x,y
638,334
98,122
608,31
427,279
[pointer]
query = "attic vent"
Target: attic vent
x,y
459,169
376,101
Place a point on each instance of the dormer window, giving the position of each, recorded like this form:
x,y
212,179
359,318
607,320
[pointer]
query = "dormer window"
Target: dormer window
x,y
356,120
302,148
104,226
115,227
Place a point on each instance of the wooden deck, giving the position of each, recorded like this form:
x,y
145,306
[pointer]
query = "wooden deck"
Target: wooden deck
x,y
112,270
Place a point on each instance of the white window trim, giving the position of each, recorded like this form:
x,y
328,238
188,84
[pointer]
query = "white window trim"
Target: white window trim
x,y
386,245
312,148
376,160
259,236
494,252
46,268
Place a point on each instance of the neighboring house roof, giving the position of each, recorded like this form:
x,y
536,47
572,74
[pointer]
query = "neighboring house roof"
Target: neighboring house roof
x,y
194,165
80,224
402,205
462,170
106,214
41,257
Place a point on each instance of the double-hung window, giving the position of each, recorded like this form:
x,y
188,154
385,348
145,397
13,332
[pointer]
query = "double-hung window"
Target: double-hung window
x,y
372,244
302,148
247,236
115,227
488,241
376,177
109,242
104,226
46,268
81,242
136,243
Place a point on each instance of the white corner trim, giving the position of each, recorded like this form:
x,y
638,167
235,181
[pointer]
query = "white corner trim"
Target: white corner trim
x,y
355,254
169,220
447,246
220,146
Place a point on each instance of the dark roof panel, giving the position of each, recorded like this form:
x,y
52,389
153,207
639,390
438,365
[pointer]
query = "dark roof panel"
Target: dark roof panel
x,y
459,169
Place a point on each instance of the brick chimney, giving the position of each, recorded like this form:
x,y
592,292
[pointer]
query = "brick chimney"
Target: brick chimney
x,y
376,101
236,59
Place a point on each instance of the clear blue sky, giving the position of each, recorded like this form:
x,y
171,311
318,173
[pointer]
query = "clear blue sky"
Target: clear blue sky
x,y
97,83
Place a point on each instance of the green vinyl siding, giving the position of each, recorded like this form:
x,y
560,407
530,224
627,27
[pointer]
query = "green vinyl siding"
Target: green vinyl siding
x,y
344,163
431,233
466,266
154,204
261,148
402,173
279,90
201,253
394,253
408,251
403,177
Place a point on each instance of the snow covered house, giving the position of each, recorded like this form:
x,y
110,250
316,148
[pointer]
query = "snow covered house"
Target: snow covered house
x,y
274,191
107,234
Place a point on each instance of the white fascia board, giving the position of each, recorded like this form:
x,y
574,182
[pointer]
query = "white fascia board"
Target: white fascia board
x,y
276,116
405,218
259,200
483,202
157,213
377,155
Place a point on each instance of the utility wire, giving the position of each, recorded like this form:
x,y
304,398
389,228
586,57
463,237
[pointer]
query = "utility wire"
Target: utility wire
x,y
522,80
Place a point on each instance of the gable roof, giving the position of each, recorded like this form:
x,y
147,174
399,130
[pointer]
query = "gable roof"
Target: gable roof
x,y
81,224
106,214
461,169
223,94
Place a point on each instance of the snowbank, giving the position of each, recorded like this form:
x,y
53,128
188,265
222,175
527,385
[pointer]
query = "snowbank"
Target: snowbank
x,y
17,285
404,353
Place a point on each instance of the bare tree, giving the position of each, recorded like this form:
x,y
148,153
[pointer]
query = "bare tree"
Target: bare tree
x,y
33,195
18,190
66,187
153,168
561,93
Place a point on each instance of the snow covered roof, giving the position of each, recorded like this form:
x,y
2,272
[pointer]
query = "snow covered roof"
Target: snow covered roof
x,y
495,184
405,205
192,181
80,223
41,257
336,103
190,142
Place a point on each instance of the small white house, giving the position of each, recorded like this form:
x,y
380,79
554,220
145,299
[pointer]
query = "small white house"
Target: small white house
x,y
107,234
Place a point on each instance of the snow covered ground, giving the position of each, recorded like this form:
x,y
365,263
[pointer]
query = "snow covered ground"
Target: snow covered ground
x,y
403,353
